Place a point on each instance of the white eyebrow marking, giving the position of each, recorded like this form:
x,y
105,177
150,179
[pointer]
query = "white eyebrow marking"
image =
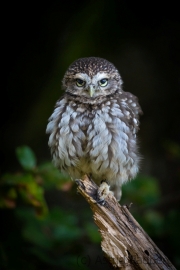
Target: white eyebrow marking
x,y
82,76
99,76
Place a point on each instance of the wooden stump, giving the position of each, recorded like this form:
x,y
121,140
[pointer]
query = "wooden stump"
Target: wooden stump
x,y
125,244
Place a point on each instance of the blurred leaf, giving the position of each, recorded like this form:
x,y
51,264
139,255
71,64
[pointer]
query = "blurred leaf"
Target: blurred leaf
x,y
19,179
144,190
33,194
52,176
12,193
56,227
151,221
92,231
26,157
22,187
7,202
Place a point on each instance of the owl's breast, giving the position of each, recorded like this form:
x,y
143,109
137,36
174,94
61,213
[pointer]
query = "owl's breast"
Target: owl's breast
x,y
68,133
95,139
109,139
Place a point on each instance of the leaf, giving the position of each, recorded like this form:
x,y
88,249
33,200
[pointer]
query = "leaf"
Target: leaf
x,y
144,190
17,179
92,232
52,177
26,157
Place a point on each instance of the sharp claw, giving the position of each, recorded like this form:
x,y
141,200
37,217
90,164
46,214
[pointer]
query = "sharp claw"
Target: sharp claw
x,y
80,183
100,201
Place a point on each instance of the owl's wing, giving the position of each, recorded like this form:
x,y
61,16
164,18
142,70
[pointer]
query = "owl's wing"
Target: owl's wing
x,y
133,110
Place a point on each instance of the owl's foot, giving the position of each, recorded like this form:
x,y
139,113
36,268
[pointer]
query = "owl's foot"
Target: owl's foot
x,y
103,192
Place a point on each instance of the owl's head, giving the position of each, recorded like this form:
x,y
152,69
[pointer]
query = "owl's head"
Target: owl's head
x,y
92,77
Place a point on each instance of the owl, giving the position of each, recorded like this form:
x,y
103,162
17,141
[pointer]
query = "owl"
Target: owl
x,y
93,127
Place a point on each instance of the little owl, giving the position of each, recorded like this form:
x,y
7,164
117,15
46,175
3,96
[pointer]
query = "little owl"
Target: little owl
x,y
94,124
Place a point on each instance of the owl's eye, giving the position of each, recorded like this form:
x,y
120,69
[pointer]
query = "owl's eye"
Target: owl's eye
x,y
103,82
80,82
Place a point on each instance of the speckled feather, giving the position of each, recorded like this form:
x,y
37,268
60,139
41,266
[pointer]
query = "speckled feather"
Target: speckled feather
x,y
96,135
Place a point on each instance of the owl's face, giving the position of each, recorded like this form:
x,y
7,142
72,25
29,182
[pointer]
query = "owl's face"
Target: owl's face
x,y
92,77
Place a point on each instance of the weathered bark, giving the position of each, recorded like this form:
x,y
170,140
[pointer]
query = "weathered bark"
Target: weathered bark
x,y
124,242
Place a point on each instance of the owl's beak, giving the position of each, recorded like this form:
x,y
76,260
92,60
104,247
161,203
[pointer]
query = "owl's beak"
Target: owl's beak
x,y
91,90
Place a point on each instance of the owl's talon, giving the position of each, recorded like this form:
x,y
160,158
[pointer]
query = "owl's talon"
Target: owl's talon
x,y
103,192
101,201
80,183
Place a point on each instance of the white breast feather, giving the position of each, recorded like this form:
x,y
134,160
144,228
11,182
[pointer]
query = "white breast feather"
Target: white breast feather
x,y
105,133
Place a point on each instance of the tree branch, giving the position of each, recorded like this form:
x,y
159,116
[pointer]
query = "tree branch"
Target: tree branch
x,y
124,242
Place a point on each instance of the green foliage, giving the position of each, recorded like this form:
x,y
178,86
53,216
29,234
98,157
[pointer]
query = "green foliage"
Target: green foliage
x,y
92,232
51,176
28,186
51,237
144,192
26,157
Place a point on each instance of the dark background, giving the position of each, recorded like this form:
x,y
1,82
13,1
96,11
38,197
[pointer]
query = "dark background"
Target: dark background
x,y
143,42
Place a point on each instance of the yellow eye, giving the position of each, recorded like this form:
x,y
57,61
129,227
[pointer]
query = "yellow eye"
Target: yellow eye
x,y
80,82
103,82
